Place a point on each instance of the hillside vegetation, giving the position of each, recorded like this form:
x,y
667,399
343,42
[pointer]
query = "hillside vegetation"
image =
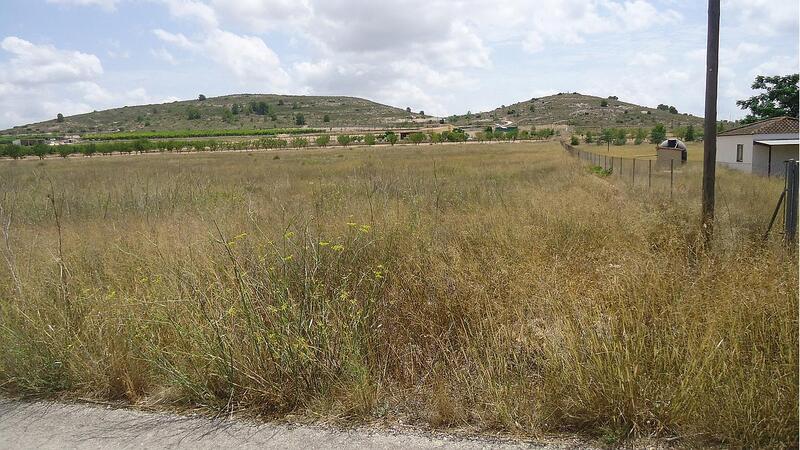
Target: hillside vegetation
x,y
494,286
223,116
581,111
232,112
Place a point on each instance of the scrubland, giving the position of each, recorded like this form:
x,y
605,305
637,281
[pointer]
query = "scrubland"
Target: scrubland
x,y
492,287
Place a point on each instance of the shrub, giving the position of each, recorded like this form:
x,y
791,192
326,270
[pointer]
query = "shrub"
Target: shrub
x,y
344,139
323,140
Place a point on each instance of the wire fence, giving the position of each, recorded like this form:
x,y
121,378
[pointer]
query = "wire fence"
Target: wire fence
x,y
643,172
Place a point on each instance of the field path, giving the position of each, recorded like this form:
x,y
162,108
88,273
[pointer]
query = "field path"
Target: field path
x,y
47,425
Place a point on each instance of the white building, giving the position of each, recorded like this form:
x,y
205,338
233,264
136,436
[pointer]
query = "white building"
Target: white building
x,y
759,147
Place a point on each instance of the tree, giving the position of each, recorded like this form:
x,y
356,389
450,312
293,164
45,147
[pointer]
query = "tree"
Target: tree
x,y
391,137
236,109
620,136
422,113
201,97
607,135
369,139
64,151
227,115
435,137
416,138
658,134
260,108
673,110
41,150
640,136
299,120
326,118
779,99
89,150
300,142
59,118
603,103
323,140
589,137
408,110
192,113
689,136
343,139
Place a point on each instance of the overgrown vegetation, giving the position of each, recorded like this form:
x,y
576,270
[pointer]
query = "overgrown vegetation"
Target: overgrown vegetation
x,y
182,134
498,286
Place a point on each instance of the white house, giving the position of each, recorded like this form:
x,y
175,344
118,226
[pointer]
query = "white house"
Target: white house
x,y
759,147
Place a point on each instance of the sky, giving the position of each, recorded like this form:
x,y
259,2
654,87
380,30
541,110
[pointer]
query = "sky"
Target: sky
x,y
441,56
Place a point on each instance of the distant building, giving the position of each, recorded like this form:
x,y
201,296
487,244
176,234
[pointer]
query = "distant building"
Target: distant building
x,y
671,150
507,127
760,147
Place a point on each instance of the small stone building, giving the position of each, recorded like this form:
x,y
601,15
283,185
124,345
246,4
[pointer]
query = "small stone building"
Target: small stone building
x,y
671,150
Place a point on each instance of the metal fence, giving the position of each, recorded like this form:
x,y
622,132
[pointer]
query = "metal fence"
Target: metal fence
x,y
674,177
644,171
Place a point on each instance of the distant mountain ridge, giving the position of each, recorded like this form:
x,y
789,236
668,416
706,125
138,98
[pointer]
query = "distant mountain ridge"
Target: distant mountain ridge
x,y
251,111
261,111
580,111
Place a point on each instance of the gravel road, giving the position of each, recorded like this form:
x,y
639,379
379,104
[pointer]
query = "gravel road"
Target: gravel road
x,y
48,425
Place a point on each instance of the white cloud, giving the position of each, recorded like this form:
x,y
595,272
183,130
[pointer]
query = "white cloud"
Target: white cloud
x,y
105,4
194,10
41,64
763,17
164,55
247,57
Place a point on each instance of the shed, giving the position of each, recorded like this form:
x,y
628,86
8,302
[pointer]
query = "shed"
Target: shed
x,y
671,150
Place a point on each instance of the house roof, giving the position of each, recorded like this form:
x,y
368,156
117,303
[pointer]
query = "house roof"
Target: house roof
x,y
775,125
779,142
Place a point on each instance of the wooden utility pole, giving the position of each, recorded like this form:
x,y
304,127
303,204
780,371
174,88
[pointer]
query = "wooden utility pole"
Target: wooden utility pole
x,y
710,124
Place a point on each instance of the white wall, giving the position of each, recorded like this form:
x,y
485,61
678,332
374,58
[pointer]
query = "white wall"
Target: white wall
x,y
726,150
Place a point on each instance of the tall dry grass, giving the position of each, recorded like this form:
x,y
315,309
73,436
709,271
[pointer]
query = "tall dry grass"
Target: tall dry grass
x,y
493,286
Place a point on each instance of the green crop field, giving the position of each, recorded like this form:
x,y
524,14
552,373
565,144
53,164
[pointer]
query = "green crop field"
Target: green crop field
x,y
498,287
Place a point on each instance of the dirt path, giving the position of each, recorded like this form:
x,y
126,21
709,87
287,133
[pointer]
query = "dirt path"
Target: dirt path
x,y
46,425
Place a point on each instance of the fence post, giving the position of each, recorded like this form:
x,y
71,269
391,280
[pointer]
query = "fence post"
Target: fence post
x,y
671,176
790,226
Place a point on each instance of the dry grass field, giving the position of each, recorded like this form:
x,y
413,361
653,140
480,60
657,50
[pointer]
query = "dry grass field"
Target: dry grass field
x,y
495,287
645,151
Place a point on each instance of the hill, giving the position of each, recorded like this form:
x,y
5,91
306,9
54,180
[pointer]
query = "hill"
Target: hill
x,y
231,112
578,110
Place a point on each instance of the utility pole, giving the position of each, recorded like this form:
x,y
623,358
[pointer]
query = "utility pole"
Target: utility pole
x,y
710,124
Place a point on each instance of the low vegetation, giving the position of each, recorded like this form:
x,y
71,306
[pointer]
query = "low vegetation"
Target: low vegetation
x,y
182,134
500,286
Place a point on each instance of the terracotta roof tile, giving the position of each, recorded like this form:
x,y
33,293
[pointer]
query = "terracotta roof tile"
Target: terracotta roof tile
x,y
775,125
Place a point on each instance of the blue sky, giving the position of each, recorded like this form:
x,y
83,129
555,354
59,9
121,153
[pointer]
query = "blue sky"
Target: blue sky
x,y
442,56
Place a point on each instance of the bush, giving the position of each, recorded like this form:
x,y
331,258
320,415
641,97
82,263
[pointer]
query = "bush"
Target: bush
x,y
574,140
300,142
344,139
416,138
323,140
369,139
299,119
